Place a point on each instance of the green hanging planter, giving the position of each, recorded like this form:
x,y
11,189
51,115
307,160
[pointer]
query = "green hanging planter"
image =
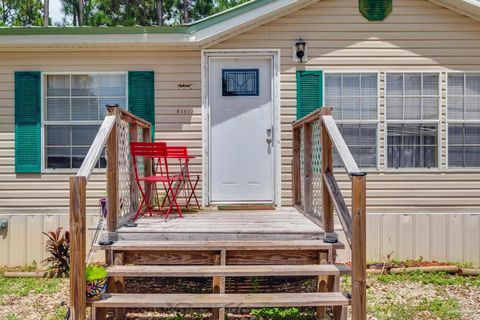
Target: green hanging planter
x,y
375,10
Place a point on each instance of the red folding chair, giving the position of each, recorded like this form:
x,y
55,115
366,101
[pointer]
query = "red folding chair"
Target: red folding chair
x,y
157,151
189,186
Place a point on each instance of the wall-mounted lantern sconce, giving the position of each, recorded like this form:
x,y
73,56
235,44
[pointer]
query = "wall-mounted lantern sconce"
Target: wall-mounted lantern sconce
x,y
300,51
3,224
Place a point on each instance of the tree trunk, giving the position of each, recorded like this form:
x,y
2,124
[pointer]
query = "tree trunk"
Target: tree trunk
x,y
185,11
160,12
46,10
80,12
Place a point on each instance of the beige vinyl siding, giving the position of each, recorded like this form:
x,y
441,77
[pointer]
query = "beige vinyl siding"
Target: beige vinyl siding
x,y
417,36
48,192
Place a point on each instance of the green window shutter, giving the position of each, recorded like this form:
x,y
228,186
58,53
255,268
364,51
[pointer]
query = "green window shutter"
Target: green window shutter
x,y
309,92
375,10
27,121
141,95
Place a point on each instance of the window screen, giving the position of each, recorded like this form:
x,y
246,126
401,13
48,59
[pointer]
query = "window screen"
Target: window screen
x,y
354,98
74,110
463,119
412,112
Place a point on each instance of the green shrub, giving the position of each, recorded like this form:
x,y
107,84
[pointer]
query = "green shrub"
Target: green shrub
x,y
280,314
95,272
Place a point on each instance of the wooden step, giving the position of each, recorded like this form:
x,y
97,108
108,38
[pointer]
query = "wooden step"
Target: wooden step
x,y
127,300
219,245
229,271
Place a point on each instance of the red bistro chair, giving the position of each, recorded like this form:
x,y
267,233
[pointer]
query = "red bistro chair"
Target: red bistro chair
x,y
189,183
157,151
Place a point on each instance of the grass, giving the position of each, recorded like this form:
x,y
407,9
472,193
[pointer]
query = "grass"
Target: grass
x,y
280,314
435,278
21,287
441,308
438,308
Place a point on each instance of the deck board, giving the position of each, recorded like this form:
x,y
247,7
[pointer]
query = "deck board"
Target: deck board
x,y
285,223
221,300
229,271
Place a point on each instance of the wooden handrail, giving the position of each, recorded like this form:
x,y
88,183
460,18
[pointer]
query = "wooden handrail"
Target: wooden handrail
x,y
309,118
354,223
133,119
342,149
109,136
339,204
96,148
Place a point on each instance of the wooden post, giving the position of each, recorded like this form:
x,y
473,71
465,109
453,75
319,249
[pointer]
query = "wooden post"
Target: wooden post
x,y
119,286
148,166
113,197
99,313
78,203
327,166
296,168
307,168
219,284
322,282
359,247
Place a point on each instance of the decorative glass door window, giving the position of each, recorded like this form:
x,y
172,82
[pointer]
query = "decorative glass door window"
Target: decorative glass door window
x,y
463,120
240,82
354,98
412,112
74,108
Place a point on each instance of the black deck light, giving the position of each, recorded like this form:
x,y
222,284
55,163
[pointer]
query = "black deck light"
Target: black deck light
x,y
301,46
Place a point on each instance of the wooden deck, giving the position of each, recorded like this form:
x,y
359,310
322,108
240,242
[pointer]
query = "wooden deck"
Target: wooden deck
x,y
282,224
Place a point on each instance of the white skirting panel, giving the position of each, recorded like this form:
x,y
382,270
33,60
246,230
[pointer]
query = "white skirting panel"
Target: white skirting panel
x,y
23,242
443,237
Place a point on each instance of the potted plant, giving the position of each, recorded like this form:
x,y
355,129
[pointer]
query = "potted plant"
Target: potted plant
x,y
96,277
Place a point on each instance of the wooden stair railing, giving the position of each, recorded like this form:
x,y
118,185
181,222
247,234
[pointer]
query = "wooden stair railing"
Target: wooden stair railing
x,y
316,192
118,128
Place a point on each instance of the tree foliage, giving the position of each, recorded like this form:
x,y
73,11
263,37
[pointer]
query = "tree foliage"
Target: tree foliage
x,y
113,12
21,12
145,12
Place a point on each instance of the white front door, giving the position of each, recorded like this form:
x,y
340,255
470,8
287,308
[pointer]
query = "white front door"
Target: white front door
x,y
241,129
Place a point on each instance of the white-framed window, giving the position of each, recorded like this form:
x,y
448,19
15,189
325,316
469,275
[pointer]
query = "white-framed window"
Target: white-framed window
x,y
463,120
354,98
412,103
73,110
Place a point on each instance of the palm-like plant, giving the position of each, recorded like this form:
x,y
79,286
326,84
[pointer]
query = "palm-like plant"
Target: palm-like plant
x,y
58,245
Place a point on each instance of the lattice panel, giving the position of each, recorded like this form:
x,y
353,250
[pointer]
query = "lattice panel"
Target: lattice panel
x,y
124,170
316,168
135,193
302,166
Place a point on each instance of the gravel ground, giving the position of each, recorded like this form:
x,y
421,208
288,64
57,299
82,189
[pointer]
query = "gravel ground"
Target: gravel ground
x,y
393,300
389,296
